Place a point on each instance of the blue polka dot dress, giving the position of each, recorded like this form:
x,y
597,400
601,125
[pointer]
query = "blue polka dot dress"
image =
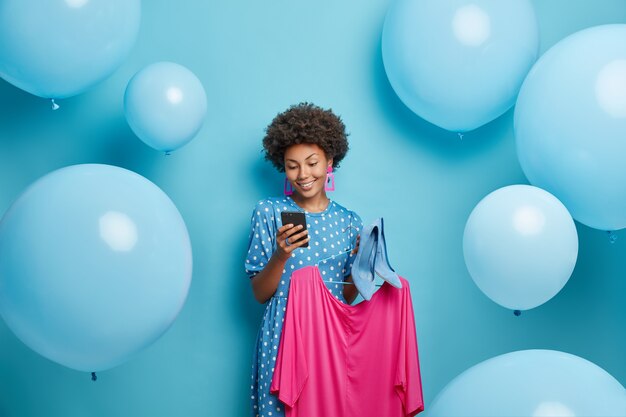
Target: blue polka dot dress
x,y
333,234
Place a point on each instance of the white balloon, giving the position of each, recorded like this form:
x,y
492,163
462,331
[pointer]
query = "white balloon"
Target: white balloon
x,y
520,246
532,383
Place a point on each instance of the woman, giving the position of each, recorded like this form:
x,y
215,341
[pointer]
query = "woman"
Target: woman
x,y
306,142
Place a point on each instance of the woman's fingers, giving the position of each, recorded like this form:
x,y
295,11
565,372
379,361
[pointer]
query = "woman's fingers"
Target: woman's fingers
x,y
356,247
289,232
284,228
295,239
288,237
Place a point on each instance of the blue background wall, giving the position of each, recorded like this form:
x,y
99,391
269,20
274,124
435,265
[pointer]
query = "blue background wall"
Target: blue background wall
x,y
255,59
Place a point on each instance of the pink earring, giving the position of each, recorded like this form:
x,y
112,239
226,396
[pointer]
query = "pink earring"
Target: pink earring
x,y
330,179
288,187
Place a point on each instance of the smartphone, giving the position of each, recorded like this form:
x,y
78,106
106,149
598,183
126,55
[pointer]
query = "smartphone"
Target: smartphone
x,y
296,218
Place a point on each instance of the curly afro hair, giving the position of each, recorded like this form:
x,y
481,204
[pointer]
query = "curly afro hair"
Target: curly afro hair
x,y
305,123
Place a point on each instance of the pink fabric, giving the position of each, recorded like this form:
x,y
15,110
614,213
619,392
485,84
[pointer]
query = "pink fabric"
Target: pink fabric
x,y
338,360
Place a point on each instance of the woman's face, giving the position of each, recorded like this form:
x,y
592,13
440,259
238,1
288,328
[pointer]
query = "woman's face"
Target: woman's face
x,y
305,167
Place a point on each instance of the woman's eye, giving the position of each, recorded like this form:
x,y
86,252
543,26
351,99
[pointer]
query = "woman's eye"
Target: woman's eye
x,y
313,164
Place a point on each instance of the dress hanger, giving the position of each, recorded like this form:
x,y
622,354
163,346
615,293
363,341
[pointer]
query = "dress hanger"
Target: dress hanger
x,y
317,264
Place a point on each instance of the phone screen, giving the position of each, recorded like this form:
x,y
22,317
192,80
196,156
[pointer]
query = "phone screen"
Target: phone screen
x,y
296,218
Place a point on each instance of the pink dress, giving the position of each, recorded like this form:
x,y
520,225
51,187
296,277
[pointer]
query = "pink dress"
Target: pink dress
x,y
339,360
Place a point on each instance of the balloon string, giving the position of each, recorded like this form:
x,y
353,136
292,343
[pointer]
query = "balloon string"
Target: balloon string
x,y
93,376
54,105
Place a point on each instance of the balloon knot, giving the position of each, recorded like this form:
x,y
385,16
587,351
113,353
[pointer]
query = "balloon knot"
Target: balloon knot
x,y
612,236
54,105
517,312
93,376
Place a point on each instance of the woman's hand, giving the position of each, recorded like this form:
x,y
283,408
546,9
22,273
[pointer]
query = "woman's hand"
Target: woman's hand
x,y
265,283
356,247
350,291
287,240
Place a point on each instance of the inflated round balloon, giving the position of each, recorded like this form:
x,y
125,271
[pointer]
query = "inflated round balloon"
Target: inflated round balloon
x,y
520,246
570,125
459,64
95,264
165,105
538,383
57,49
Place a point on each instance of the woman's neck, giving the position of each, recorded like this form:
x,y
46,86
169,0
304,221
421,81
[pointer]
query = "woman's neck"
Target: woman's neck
x,y
315,204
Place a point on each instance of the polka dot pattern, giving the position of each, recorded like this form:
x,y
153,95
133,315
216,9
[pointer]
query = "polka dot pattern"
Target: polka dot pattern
x,y
333,233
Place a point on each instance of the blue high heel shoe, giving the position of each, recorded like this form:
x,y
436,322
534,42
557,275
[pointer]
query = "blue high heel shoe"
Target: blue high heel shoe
x,y
381,264
363,264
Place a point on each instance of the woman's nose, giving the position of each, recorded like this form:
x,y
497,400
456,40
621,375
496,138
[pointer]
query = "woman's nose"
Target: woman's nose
x,y
303,173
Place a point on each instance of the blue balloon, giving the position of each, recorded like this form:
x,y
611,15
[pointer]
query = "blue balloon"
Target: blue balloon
x,y
95,265
570,125
537,383
57,49
165,105
459,64
520,246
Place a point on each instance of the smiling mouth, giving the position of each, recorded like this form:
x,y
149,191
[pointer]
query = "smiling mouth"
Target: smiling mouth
x,y
306,185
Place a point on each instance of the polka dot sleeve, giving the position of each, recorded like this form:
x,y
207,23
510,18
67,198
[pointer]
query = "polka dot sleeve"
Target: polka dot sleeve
x,y
262,240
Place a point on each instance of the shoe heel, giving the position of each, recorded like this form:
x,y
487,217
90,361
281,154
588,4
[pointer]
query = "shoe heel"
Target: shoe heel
x,y
382,266
363,264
